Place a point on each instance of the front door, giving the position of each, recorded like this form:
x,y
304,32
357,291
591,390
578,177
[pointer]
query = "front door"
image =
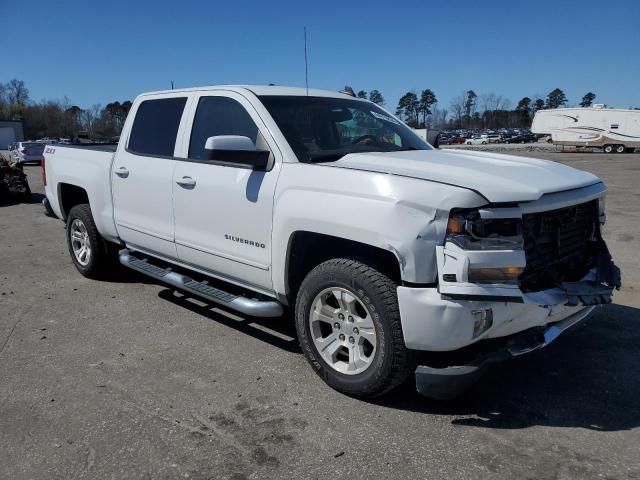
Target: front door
x,y
142,177
223,212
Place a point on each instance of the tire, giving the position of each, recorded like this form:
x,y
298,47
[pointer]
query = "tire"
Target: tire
x,y
620,148
95,264
374,308
607,149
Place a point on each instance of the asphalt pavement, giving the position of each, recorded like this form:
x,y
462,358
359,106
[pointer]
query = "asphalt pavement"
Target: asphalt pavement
x,y
128,379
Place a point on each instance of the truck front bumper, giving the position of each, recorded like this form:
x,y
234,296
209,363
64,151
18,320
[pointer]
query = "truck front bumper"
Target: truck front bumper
x,y
449,382
438,323
462,336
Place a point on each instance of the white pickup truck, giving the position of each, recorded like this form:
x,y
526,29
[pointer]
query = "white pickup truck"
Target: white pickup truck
x,y
394,257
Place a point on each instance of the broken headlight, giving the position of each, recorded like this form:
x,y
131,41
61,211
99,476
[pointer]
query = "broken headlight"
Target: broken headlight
x,y
469,231
602,212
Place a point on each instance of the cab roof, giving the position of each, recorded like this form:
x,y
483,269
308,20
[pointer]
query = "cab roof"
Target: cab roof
x,y
260,90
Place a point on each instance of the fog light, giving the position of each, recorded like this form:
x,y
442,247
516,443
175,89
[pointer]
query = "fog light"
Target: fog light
x,y
482,321
494,275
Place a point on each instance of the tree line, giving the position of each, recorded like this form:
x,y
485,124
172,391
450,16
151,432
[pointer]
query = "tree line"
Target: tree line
x,y
470,110
60,119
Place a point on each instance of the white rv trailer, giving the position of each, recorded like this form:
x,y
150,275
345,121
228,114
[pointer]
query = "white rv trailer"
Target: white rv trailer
x,y
612,129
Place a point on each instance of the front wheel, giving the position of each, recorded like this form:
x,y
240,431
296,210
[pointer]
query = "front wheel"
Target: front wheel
x,y
348,325
607,148
87,247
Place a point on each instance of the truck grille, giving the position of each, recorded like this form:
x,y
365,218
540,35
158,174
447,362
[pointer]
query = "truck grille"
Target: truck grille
x,y
560,245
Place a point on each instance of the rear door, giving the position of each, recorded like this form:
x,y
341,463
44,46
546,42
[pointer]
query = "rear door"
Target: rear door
x,y
142,175
224,214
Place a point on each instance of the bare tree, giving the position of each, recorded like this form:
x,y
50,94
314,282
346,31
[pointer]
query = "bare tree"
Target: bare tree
x,y
89,117
439,117
17,92
457,108
3,94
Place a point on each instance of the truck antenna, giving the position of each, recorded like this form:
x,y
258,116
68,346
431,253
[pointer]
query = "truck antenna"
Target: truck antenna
x,y
306,70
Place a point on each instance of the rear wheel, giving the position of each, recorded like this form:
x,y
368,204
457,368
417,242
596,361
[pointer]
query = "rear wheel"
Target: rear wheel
x,y
607,148
620,148
88,249
348,325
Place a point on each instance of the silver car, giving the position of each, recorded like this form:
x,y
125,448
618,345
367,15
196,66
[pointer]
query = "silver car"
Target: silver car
x,y
26,152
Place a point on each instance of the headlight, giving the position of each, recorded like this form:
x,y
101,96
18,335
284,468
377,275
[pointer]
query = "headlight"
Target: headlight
x,y
602,214
471,232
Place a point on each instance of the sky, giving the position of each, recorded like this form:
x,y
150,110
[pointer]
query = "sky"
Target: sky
x,y
96,52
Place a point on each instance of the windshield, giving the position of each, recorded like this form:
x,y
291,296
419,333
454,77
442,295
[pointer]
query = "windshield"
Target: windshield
x,y
324,129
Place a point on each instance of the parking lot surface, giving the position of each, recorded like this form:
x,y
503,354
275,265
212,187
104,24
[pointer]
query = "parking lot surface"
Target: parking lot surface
x,y
127,379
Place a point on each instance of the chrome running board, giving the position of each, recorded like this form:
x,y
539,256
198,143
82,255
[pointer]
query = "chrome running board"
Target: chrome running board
x,y
247,306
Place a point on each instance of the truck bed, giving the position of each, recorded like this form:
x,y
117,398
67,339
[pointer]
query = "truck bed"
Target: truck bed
x,y
99,147
86,167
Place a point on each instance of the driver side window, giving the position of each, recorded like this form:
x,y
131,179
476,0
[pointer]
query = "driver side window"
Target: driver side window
x,y
219,116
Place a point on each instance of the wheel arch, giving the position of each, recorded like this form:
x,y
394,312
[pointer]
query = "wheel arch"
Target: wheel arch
x,y
69,196
307,249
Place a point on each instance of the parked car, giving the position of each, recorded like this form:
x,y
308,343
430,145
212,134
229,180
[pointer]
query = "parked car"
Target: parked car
x,y
265,198
493,138
476,141
516,139
456,140
444,140
26,152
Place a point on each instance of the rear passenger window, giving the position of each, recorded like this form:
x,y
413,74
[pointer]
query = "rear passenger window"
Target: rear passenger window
x,y
155,127
219,116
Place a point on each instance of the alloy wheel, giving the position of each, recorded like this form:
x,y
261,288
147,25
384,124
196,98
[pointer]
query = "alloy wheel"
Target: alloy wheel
x,y
342,330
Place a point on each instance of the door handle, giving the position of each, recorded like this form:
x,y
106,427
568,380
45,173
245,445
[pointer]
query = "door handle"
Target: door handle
x,y
186,182
122,172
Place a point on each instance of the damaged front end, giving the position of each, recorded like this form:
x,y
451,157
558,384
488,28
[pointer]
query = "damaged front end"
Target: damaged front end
x,y
565,250
443,381
548,252
511,279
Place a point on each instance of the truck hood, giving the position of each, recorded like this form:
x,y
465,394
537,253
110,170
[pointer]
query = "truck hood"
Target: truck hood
x,y
499,178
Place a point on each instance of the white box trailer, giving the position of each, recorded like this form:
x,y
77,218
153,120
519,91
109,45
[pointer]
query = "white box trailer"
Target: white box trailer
x,y
10,131
612,129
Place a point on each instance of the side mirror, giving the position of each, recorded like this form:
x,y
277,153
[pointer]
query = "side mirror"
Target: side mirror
x,y
237,150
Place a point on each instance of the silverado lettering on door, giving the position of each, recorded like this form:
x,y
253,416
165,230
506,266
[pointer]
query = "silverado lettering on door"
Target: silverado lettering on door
x,y
244,240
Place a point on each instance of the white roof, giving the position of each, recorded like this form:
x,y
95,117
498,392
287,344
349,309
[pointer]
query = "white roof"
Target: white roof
x,y
586,109
261,90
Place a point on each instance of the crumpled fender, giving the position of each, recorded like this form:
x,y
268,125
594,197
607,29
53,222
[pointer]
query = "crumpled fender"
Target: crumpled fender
x,y
405,216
